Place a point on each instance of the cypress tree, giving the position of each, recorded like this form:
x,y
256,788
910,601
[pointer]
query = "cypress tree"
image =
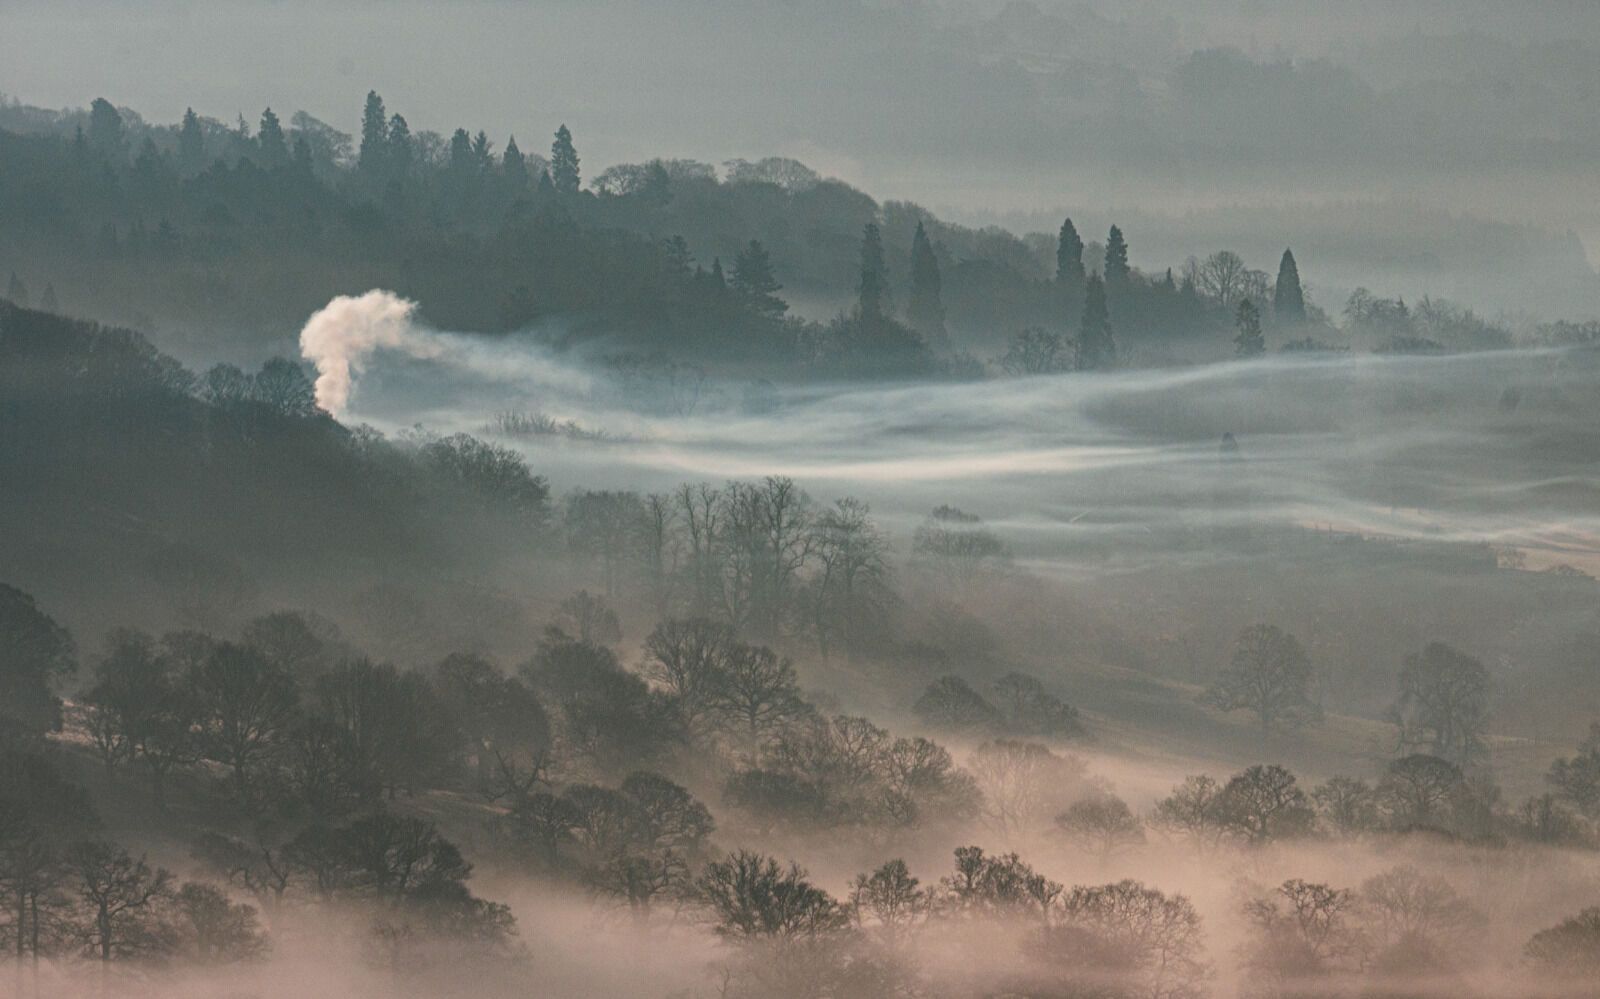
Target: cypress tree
x,y
1096,350
924,309
754,282
1288,300
191,145
873,291
374,137
274,149
1116,261
1069,256
1248,341
564,163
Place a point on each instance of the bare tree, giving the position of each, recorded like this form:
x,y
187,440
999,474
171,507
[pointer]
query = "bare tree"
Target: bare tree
x,y
1101,823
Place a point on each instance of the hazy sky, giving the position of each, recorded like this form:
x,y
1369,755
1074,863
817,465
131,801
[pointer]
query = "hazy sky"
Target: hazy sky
x,y
982,111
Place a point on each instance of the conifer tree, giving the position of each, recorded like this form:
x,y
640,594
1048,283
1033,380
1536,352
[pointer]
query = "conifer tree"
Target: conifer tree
x,y
191,145
1248,341
547,187
482,151
1069,256
1288,299
564,163
515,167
1116,262
269,138
400,149
925,309
754,282
1096,349
106,131
371,160
47,301
17,291
718,281
873,291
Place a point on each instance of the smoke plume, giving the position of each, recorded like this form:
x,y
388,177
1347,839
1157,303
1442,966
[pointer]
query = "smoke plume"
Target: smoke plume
x,y
341,335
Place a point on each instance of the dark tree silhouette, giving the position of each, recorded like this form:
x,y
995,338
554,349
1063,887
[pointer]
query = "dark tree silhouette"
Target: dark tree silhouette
x,y
924,306
1069,257
754,283
35,654
1443,707
1095,348
1576,779
1270,675
564,176
372,160
191,145
872,290
1247,340
271,142
1288,301
1118,275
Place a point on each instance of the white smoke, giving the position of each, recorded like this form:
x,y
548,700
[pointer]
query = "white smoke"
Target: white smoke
x,y
341,338
342,335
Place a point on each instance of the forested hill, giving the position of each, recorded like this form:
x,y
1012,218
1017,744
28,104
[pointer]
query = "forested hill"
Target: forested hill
x,y
221,240
129,481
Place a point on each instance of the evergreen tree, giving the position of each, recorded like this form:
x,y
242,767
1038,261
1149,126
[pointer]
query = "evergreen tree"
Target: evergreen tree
x,y
873,290
374,137
482,151
1116,262
718,281
564,163
753,281
547,187
400,148
274,148
1288,300
925,309
1069,256
1096,349
106,133
17,291
515,167
1248,322
191,145
47,301
462,159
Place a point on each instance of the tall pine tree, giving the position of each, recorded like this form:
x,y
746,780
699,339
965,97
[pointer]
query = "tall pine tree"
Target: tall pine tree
x,y
1069,257
401,148
1096,349
515,168
873,290
1248,341
925,308
191,145
1288,299
754,282
564,163
1117,273
274,148
372,159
